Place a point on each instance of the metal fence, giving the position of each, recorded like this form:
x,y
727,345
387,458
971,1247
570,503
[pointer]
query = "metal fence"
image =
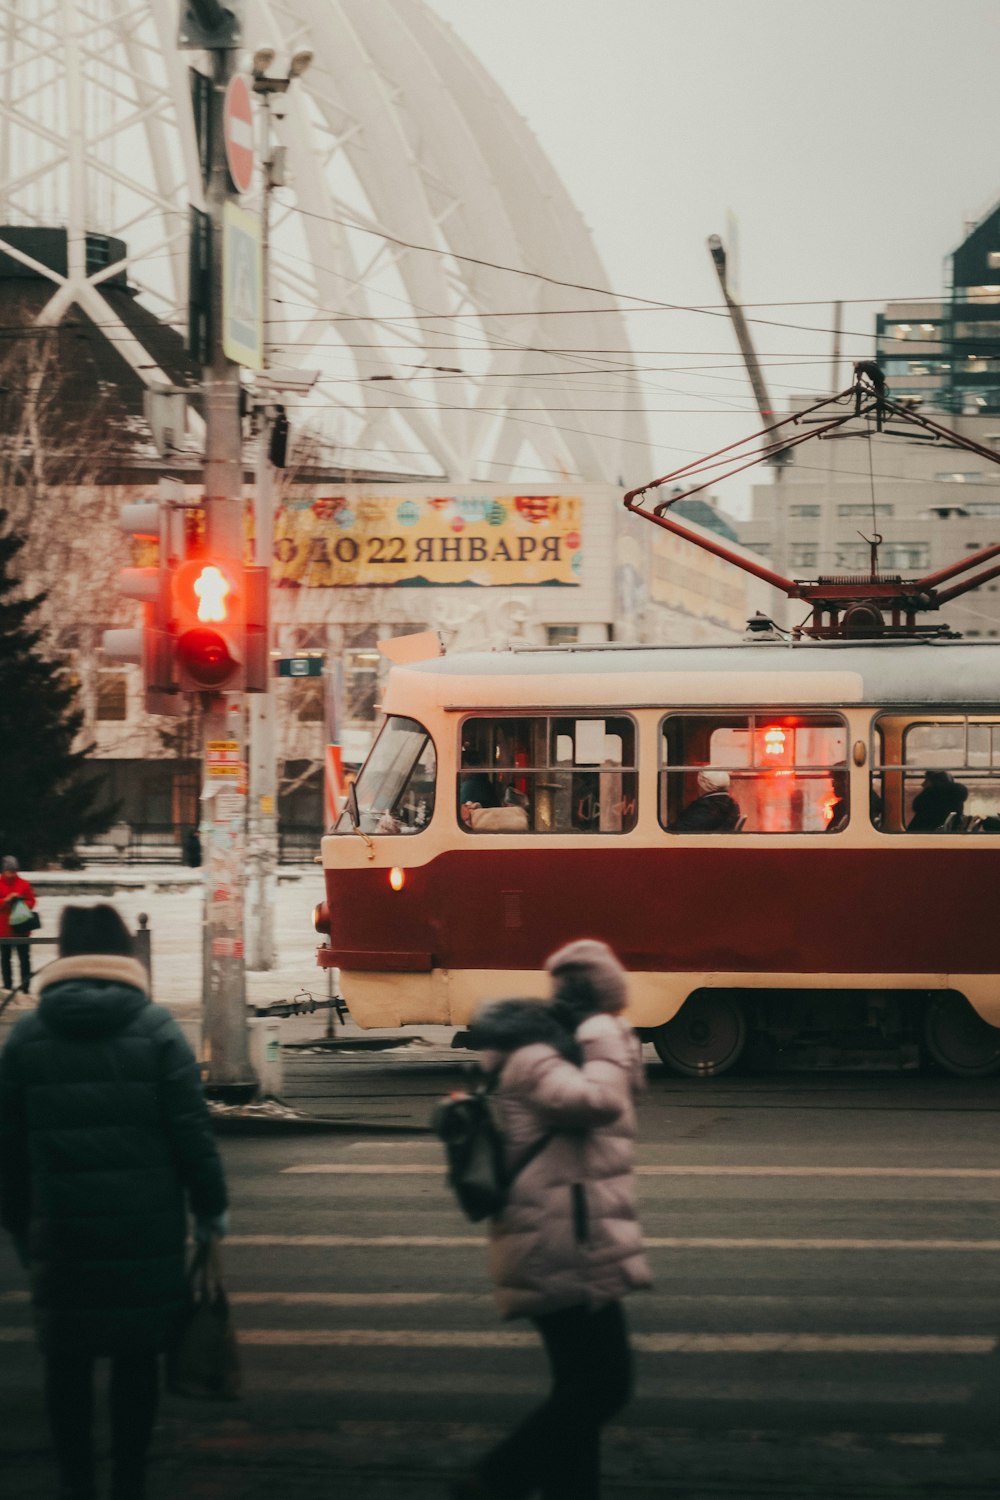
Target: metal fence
x,y
167,844
142,942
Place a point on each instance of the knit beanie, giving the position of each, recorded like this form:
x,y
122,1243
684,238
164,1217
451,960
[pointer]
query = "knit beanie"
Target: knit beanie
x,y
598,966
713,781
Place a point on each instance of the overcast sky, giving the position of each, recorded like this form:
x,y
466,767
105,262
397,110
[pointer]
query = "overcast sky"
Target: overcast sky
x,y
852,141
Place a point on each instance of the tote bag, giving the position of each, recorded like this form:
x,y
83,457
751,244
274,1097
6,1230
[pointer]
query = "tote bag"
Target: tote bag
x,y
204,1360
22,919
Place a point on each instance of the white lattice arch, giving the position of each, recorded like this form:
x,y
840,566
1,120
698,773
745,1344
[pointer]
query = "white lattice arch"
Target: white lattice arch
x,y
396,134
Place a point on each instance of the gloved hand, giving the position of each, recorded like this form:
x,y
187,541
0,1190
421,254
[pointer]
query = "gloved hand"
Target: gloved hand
x,y
207,1227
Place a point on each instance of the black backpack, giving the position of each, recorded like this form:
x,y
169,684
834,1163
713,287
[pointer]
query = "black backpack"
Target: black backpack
x,y
474,1150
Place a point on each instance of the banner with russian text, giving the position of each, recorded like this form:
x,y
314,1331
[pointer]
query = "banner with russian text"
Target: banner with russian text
x,y
461,539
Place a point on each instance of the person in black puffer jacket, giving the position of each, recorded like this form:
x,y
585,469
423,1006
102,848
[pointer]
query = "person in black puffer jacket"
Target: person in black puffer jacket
x,y
104,1132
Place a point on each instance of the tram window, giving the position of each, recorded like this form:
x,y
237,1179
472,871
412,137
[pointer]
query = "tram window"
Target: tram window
x,y
395,788
937,775
753,773
547,774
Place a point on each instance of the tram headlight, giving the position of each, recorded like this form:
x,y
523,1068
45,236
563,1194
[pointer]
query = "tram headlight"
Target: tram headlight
x,y
321,919
397,878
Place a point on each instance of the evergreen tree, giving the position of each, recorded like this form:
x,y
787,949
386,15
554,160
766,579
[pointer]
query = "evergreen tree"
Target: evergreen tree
x,y
47,802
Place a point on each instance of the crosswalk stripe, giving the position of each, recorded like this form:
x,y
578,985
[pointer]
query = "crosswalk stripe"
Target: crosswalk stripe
x,y
926,1345
742,1303
651,1242
336,1241
427,1169
354,1299
680,1381
649,1343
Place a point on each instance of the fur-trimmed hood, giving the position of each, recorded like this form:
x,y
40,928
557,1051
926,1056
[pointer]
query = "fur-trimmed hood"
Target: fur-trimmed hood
x,y
91,994
505,1025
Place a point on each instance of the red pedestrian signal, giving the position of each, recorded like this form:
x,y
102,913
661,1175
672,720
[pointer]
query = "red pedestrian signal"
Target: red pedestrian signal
x,y
209,618
213,589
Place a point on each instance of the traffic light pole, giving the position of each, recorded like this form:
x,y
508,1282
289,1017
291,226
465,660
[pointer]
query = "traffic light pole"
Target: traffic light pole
x,y
223,830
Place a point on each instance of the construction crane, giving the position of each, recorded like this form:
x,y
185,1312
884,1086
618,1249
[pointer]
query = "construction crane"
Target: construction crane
x,y
718,253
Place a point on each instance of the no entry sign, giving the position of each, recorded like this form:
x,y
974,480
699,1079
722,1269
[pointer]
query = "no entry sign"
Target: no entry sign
x,y
238,130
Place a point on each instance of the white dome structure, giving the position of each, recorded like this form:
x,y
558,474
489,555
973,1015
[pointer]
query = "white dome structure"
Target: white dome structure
x,y
425,256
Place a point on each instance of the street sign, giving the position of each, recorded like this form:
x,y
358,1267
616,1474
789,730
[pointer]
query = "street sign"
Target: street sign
x,y
242,287
237,116
300,666
223,758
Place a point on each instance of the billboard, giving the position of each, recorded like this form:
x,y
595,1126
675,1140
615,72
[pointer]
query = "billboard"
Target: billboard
x,y
464,538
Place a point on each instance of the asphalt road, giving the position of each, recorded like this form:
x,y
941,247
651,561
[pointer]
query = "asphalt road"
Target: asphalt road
x,y
825,1319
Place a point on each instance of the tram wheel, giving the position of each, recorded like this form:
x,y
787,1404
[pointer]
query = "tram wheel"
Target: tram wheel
x,y
958,1039
706,1036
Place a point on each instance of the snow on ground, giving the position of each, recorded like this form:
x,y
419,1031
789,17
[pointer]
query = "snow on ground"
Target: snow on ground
x,y
172,898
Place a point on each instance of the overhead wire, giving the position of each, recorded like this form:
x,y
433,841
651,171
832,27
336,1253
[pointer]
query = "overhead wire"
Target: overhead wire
x,y
645,303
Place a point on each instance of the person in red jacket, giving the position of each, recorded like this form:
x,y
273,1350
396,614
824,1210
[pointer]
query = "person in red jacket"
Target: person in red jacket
x,y
13,887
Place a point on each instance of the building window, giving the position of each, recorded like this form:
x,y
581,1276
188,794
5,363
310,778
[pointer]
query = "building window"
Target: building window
x,y
805,512
361,669
307,700
904,555
864,510
804,557
112,695
562,635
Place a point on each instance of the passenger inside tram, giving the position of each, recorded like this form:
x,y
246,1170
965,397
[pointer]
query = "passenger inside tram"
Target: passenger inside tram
x,y
837,806
941,801
511,816
714,810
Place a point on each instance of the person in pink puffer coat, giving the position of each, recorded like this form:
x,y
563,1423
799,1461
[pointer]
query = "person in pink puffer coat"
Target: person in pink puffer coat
x,y
567,1247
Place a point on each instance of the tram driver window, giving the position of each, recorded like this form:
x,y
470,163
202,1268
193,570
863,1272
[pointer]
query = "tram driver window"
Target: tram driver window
x,y
395,788
937,775
547,774
753,773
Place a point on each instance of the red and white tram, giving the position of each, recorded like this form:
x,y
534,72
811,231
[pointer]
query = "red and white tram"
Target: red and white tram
x,y
517,799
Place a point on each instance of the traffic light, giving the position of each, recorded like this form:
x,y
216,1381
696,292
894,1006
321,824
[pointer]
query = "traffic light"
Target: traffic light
x,y
208,612
219,617
205,617
149,644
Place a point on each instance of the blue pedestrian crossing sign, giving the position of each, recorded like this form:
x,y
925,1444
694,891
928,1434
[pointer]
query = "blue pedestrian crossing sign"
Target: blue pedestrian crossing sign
x,y
242,287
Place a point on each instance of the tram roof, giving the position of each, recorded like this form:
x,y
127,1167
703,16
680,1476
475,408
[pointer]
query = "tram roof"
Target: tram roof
x,y
946,674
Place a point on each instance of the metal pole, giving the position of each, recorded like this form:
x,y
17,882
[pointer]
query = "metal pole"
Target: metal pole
x,y
223,829
262,810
